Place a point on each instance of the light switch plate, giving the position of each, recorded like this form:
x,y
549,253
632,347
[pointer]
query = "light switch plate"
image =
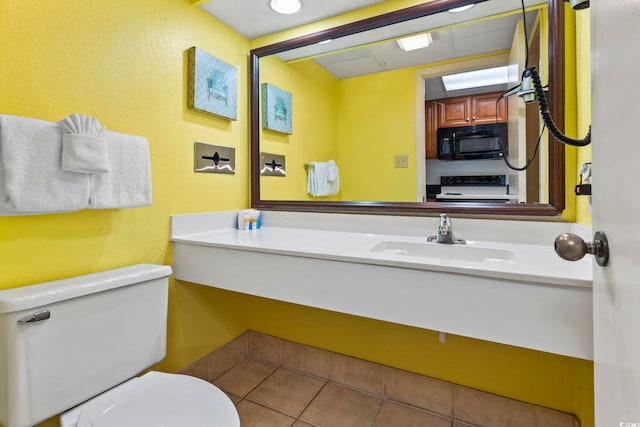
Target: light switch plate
x,y
401,161
272,165
209,158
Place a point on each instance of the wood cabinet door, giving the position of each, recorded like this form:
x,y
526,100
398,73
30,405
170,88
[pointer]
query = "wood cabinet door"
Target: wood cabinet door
x,y
471,110
431,129
484,108
454,112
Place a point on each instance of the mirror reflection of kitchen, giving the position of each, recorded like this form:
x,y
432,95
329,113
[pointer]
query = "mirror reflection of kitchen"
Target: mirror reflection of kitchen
x,y
470,127
375,103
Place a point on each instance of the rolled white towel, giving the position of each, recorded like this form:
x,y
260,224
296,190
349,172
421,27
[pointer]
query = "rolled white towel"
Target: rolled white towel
x,y
84,148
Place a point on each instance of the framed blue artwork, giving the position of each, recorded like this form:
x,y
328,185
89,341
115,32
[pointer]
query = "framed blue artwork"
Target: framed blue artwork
x,y
213,85
276,109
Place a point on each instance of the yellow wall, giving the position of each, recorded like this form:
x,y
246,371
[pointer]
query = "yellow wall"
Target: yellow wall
x,y
314,139
361,122
124,62
578,108
376,122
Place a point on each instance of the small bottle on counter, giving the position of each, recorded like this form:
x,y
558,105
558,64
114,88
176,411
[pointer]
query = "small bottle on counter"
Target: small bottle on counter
x,y
249,219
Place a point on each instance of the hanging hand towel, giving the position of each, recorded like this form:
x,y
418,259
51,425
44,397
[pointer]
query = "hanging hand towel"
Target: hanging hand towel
x,y
84,149
332,171
128,183
31,181
323,179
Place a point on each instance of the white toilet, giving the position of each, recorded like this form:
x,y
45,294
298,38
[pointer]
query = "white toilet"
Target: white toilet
x,y
76,345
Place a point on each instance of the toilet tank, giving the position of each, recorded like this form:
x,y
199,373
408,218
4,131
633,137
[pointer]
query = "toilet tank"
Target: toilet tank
x,y
101,330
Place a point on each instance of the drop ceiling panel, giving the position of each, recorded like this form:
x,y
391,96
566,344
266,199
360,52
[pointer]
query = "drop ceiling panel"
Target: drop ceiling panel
x,y
343,56
355,67
492,41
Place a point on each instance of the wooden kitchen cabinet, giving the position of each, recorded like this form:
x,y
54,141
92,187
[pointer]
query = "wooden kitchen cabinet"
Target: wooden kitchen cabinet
x,y
471,110
431,129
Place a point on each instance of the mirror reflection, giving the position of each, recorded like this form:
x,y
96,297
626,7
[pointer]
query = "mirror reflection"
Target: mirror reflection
x,y
396,128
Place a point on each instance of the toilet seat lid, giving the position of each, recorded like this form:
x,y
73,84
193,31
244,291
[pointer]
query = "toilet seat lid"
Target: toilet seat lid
x,y
157,399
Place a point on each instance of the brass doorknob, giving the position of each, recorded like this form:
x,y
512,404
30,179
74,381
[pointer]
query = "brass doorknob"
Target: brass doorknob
x,y
571,247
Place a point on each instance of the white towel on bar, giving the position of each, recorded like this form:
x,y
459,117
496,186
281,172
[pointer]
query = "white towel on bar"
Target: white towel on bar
x,y
128,182
323,179
31,180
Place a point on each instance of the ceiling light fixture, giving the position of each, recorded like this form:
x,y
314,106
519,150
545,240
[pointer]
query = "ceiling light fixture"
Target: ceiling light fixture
x,y
461,8
285,7
415,42
325,41
478,78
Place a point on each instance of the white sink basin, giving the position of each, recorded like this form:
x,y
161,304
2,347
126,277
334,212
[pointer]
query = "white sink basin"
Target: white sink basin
x,y
438,250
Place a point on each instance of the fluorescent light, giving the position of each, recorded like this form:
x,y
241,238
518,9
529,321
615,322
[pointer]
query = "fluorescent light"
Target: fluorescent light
x,y
415,42
325,41
479,78
285,7
461,8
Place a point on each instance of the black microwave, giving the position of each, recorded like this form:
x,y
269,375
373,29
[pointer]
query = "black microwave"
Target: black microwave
x,y
473,142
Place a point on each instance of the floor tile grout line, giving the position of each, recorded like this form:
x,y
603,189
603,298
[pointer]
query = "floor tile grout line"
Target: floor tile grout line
x,y
290,368
249,392
373,422
261,382
267,407
418,408
226,370
311,401
295,418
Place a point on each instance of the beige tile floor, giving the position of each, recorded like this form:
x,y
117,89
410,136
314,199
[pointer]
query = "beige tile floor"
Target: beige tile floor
x,y
274,382
270,396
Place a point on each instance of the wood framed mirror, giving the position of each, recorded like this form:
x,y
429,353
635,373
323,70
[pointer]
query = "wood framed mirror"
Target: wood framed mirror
x,y
554,184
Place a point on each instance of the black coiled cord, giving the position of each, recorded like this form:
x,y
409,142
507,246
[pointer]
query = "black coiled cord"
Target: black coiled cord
x,y
546,115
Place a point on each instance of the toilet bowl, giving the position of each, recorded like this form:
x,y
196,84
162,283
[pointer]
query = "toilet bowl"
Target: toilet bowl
x,y
156,399
106,328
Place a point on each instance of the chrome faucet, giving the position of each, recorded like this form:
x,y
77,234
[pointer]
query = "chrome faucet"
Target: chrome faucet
x,y
445,232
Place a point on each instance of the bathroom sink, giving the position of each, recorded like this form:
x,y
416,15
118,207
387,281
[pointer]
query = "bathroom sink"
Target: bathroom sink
x,y
438,250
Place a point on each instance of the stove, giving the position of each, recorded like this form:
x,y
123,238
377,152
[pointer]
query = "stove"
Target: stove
x,y
475,188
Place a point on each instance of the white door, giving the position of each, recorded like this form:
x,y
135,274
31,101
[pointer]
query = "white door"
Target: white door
x,y
615,56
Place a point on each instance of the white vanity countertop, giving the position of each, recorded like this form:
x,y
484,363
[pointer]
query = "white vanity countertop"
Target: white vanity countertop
x,y
535,262
505,285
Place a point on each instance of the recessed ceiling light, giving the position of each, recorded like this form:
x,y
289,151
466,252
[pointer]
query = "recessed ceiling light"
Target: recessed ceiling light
x,y
286,7
415,42
478,78
461,8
